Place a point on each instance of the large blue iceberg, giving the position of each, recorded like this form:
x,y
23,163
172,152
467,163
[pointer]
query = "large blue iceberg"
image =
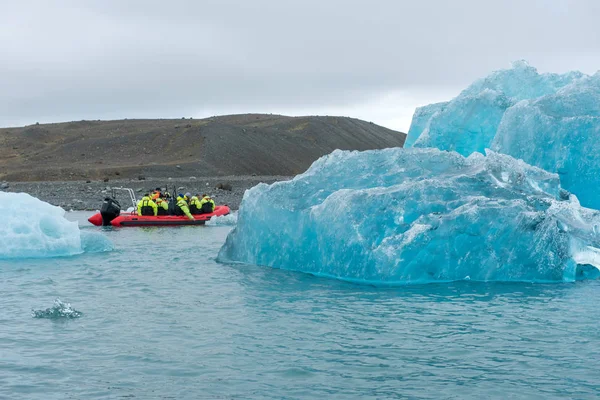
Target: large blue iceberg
x,y
32,228
400,216
549,120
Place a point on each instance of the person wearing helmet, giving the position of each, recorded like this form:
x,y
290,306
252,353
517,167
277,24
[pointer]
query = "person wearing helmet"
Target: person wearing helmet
x,y
207,205
181,207
146,207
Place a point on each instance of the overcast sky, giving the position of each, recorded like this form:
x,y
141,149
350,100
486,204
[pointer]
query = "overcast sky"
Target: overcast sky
x,y
374,60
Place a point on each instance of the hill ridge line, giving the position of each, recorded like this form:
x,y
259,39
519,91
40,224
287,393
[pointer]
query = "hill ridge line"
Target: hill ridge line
x,y
226,145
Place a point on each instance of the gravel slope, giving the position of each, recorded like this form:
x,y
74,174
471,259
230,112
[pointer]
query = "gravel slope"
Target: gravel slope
x,y
234,145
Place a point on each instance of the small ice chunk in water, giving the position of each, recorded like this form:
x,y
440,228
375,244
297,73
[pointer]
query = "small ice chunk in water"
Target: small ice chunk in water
x,y
223,220
60,310
32,228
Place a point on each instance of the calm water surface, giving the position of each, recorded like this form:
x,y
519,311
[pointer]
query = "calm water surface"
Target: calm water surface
x,y
162,320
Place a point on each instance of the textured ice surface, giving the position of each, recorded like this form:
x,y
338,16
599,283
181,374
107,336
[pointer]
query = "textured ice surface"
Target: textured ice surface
x,y
522,81
469,122
420,120
560,133
551,121
33,228
416,215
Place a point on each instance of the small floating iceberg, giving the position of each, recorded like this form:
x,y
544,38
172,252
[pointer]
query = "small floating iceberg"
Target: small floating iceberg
x,y
32,228
223,220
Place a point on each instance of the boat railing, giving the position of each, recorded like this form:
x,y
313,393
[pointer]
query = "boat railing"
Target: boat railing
x,y
129,191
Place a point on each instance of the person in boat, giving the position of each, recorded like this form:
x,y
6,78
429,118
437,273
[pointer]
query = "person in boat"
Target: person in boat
x,y
147,207
195,205
181,207
163,205
156,194
207,205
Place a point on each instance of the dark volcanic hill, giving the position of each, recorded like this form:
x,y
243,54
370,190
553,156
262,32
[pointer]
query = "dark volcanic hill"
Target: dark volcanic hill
x,y
226,145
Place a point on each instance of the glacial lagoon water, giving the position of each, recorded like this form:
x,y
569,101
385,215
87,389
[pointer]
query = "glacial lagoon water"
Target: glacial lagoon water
x,y
159,318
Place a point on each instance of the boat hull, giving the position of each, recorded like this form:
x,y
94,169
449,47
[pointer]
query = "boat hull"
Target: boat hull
x,y
133,220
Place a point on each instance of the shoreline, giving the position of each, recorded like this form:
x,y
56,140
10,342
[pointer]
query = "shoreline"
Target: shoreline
x,y
88,195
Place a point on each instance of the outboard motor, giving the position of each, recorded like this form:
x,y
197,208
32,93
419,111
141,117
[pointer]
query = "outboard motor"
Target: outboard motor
x,y
110,210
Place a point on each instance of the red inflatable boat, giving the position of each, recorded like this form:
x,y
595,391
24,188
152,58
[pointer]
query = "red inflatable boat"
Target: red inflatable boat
x,y
132,219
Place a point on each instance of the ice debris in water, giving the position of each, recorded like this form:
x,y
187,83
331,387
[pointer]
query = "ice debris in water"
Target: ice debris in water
x,y
223,220
551,121
33,228
399,216
60,310
95,242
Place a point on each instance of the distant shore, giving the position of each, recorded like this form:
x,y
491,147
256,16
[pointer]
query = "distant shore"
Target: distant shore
x,y
82,195
233,145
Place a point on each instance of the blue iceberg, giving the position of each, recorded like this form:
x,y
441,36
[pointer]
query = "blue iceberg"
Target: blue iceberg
x,y
399,216
551,121
32,228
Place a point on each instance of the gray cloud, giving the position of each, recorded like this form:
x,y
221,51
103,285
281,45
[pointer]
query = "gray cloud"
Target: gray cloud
x,y
68,60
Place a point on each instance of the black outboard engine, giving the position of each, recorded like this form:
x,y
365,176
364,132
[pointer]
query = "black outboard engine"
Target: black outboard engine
x,y
110,210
